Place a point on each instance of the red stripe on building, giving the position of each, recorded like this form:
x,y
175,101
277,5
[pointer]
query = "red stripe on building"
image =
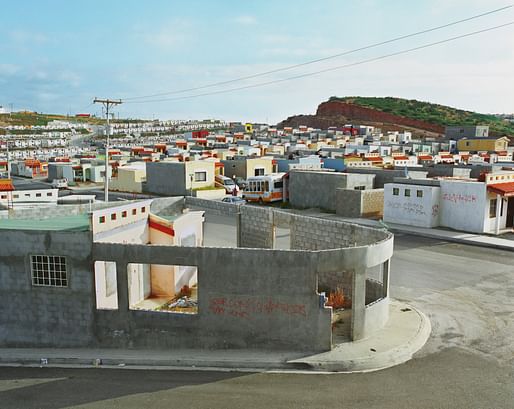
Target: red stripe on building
x,y
163,229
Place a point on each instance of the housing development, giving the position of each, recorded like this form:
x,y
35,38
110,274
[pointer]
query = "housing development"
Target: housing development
x,y
270,205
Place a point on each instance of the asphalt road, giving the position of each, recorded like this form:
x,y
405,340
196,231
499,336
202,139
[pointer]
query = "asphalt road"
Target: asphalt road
x,y
448,379
468,362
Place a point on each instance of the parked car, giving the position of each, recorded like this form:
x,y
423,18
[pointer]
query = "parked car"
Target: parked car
x,y
226,183
60,183
234,200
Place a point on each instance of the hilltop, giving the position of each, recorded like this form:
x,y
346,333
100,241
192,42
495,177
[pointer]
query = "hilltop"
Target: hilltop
x,y
28,118
422,118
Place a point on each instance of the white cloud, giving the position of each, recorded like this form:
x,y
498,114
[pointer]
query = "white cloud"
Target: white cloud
x,y
172,35
245,20
9,69
27,38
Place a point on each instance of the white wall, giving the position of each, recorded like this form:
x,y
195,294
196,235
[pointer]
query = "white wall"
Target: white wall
x,y
413,211
464,206
106,285
45,196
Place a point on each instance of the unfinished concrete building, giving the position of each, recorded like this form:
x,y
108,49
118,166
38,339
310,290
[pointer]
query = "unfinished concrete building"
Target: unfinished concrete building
x,y
107,278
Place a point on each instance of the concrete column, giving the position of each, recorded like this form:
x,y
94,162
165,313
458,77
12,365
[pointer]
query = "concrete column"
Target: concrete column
x,y
358,303
122,285
498,217
238,227
385,277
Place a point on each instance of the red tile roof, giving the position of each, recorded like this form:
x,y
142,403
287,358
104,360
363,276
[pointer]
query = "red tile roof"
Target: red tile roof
x,y
503,189
6,185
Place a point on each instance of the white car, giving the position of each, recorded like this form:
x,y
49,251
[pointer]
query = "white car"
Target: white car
x,y
234,200
60,183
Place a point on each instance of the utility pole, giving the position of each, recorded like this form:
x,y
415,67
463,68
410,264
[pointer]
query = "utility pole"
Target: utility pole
x,y
107,103
8,162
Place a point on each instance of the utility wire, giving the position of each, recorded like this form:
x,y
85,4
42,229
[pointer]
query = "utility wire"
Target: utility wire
x,y
290,67
339,67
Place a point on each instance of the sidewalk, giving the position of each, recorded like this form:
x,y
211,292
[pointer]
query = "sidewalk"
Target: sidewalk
x,y
405,333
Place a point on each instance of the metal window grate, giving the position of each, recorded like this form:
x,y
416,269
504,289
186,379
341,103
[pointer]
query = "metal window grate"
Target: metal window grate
x,y
49,271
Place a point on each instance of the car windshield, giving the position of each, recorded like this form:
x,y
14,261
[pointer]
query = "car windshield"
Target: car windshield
x,y
228,182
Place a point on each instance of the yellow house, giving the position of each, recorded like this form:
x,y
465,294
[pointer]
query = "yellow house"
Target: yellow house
x,y
130,178
483,144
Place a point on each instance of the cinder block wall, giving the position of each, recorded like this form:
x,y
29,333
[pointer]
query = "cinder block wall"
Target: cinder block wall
x,y
46,316
372,203
256,227
349,202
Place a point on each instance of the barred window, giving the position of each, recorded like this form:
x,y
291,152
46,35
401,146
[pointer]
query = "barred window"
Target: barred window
x,y
49,271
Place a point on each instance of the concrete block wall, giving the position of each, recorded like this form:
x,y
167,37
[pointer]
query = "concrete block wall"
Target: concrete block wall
x,y
256,298
45,316
248,297
213,206
349,202
310,233
372,204
256,227
167,206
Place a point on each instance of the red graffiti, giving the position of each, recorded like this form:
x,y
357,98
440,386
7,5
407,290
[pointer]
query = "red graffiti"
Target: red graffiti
x,y
247,307
459,198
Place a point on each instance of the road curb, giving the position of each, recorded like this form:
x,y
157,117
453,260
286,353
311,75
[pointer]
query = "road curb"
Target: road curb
x,y
451,239
396,355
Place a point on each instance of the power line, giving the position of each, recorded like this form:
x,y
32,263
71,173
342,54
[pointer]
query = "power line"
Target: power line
x,y
290,67
339,67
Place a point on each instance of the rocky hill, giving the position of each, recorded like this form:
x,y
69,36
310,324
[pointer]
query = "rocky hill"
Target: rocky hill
x,y
422,118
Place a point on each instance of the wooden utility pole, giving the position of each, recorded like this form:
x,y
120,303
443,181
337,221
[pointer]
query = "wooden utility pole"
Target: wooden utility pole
x,y
107,103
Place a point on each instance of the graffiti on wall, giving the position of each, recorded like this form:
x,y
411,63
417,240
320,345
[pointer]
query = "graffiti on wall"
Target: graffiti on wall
x,y
247,308
407,207
459,198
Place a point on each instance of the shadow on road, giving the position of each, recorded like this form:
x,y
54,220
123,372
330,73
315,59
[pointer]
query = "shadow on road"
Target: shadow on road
x,y
55,388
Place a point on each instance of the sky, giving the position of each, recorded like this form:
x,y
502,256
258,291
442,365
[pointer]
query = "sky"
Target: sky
x,y
57,56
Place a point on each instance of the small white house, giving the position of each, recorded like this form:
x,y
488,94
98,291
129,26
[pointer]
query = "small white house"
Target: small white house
x,y
469,205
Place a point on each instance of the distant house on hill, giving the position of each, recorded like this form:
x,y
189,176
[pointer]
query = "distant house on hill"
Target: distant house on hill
x,y
459,132
483,144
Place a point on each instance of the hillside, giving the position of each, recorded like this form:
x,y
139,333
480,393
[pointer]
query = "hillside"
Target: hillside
x,y
423,118
28,118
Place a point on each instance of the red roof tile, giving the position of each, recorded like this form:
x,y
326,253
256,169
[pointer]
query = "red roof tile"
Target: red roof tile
x,y
503,189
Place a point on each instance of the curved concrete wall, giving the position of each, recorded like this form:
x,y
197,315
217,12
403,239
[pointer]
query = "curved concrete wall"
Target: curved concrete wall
x,y
249,297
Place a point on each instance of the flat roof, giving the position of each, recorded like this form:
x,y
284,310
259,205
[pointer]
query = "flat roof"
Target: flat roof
x,y
65,223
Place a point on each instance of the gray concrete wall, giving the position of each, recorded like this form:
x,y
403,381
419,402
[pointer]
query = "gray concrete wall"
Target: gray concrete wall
x,y
48,212
45,316
167,206
213,206
318,189
349,202
166,178
235,167
382,176
248,297
256,227
255,299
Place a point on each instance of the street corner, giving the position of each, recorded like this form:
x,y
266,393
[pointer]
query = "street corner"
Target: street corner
x,y
405,333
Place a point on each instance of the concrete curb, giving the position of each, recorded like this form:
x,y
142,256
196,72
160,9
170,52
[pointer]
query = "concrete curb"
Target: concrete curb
x,y
458,240
402,336
398,354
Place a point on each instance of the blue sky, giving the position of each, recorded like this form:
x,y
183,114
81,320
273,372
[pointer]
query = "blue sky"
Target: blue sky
x,y
56,56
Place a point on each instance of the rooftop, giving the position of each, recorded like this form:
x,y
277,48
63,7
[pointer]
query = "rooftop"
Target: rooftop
x,y
65,223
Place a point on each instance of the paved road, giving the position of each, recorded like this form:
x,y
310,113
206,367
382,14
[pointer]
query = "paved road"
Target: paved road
x,y
448,379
